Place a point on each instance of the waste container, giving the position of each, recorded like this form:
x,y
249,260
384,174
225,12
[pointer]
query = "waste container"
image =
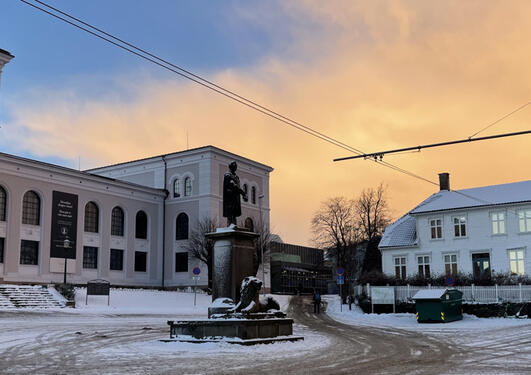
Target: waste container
x,y
438,305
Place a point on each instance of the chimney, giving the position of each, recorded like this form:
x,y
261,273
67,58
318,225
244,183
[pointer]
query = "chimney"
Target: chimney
x,y
4,58
444,181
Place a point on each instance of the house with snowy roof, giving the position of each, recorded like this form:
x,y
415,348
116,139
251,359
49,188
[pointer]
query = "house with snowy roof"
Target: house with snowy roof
x,y
475,231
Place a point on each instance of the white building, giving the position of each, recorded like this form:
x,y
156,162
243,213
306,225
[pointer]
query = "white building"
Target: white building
x,y
473,231
127,223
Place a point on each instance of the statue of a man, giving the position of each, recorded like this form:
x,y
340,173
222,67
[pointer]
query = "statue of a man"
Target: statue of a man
x,y
231,195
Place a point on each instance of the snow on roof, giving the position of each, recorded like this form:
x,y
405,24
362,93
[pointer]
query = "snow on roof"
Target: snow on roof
x,y
516,192
429,294
402,232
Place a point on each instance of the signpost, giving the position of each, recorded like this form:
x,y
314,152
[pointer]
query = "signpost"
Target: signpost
x,y
99,287
382,295
196,271
340,281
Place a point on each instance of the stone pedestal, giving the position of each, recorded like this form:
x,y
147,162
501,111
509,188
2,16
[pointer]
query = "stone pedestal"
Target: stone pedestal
x,y
232,261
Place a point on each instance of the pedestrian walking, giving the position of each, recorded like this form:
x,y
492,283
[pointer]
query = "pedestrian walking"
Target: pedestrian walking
x,y
316,302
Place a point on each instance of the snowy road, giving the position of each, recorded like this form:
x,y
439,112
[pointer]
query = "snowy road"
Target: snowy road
x,y
66,343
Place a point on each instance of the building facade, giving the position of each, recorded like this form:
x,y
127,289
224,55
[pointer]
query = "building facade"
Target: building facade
x,y
131,220
476,231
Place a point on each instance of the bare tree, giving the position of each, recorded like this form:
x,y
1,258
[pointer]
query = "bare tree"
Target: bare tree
x,y
262,243
372,212
201,247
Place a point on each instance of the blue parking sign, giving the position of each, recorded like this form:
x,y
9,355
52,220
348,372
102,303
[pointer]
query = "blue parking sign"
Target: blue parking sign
x,y
340,280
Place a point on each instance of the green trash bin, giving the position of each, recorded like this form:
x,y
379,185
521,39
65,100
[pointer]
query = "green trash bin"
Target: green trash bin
x,y
438,305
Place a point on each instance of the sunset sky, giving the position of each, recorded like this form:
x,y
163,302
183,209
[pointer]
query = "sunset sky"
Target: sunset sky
x,y
373,74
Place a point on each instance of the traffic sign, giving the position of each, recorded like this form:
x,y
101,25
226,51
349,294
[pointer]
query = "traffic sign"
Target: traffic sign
x,y
449,280
340,280
196,271
340,271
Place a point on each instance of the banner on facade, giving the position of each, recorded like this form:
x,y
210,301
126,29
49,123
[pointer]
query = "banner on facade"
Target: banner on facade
x,y
64,225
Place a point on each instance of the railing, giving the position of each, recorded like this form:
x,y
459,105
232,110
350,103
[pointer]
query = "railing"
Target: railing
x,y
471,294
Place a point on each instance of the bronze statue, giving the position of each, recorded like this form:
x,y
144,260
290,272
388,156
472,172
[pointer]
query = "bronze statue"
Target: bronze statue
x,y
231,195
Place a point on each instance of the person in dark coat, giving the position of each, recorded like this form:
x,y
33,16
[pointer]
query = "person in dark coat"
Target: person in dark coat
x,y
231,195
316,302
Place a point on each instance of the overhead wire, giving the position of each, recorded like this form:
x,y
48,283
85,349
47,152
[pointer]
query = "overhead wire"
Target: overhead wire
x,y
500,119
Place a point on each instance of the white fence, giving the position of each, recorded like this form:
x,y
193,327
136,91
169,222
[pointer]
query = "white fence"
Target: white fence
x,y
471,294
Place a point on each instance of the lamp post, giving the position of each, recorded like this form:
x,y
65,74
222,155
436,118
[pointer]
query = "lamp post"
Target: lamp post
x,y
66,245
260,197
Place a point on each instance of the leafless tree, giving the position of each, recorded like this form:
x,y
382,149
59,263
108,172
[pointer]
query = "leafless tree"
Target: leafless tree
x,y
372,212
201,247
261,243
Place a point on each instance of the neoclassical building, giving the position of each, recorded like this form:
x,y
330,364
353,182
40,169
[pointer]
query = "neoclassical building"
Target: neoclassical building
x,y
128,223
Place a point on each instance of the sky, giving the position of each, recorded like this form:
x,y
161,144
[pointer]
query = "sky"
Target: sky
x,y
375,75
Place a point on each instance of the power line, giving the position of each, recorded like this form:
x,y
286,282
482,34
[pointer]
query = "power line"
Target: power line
x,y
205,83
501,119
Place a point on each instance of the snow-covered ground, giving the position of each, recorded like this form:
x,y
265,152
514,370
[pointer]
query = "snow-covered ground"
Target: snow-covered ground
x,y
408,321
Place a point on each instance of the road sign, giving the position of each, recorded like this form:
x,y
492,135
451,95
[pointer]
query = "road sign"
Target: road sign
x,y
449,281
340,271
340,280
196,271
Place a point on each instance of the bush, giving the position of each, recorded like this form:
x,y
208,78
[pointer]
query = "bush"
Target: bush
x,y
66,290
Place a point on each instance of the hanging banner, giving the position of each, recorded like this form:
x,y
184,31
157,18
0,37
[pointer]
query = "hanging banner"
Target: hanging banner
x,y
64,225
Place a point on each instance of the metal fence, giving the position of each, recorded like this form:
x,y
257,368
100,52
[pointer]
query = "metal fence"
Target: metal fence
x,y
471,294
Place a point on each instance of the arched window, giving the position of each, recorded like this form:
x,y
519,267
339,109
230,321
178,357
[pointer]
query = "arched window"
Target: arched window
x,y
3,204
187,186
117,222
176,188
141,225
249,225
31,208
181,227
92,214
253,195
246,190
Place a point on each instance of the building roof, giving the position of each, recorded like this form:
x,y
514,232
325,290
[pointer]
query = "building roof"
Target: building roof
x,y
516,192
402,233
6,52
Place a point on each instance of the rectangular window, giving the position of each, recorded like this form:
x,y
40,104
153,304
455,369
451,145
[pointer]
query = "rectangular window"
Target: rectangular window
x,y
90,257
117,260
2,250
450,264
424,265
400,267
140,261
460,226
516,261
498,222
524,220
29,252
436,228
181,262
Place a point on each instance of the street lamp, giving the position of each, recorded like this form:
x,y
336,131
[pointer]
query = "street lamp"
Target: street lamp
x,y
260,197
66,245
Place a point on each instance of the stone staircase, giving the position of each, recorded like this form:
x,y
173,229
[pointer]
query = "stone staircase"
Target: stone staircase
x,y
29,296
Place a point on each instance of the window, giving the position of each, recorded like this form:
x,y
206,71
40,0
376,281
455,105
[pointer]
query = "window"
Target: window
x,y
181,227
498,222
117,222
176,188
90,257
460,226
31,208
117,260
141,225
253,195
481,265
140,261
516,261
3,204
249,225
400,267
436,228
187,186
29,252
424,265
450,264
2,240
524,220
246,190
181,262
92,218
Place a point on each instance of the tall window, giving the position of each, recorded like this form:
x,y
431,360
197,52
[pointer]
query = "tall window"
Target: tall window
x,y
29,252
3,204
117,222
524,220
176,188
181,227
246,190
436,228
2,250
31,208
140,261
253,195
516,261
181,262
450,264
498,222
92,218
460,226
424,266
400,267
141,225
90,257
117,260
187,186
